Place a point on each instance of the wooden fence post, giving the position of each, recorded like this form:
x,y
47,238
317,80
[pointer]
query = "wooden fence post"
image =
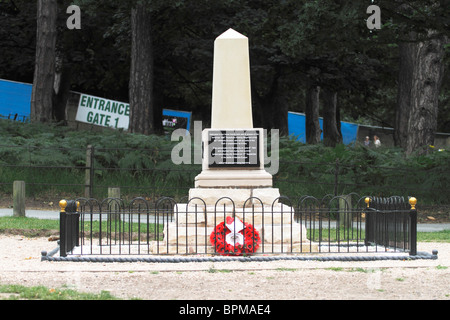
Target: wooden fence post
x,y
114,204
88,175
19,198
345,209
114,192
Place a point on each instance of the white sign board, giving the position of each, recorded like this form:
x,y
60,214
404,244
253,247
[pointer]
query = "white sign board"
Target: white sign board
x,y
103,112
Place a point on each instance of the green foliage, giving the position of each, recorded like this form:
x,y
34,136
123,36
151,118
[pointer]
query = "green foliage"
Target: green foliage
x,y
119,158
143,164
371,171
54,145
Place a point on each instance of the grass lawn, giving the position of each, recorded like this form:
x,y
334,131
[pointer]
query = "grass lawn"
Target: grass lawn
x,y
19,292
40,227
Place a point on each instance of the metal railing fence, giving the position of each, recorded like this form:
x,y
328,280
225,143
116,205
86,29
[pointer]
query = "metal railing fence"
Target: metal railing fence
x,y
392,222
308,225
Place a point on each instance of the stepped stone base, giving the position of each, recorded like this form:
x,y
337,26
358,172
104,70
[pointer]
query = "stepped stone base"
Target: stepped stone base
x,y
199,235
207,207
210,178
259,215
162,248
239,196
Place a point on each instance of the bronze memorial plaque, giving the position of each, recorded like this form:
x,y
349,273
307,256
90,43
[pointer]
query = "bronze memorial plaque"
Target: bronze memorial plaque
x,y
233,148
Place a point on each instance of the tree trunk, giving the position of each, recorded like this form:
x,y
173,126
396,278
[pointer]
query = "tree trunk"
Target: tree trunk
x,y
263,108
62,90
44,71
279,108
331,135
312,125
270,111
141,72
420,78
281,116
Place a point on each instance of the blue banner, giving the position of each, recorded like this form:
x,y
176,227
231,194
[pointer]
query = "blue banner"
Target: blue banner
x,y
297,128
15,99
177,119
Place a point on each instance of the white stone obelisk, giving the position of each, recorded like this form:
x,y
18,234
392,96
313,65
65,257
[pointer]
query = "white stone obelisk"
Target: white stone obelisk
x,y
231,95
232,110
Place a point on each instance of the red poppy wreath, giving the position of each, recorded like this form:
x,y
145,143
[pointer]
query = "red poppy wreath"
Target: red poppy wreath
x,y
235,238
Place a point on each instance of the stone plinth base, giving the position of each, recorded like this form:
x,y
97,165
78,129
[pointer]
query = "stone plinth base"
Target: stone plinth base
x,y
199,235
192,215
196,220
162,248
239,196
229,178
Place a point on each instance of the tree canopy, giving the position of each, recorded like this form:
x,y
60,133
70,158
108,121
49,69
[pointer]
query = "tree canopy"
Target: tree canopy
x,y
294,44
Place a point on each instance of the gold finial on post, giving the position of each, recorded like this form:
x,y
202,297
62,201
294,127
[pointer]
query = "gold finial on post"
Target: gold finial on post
x,y
367,201
63,205
413,202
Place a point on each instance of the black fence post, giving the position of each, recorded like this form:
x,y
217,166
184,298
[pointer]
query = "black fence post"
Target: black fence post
x,y
369,223
62,228
73,221
77,224
68,226
413,227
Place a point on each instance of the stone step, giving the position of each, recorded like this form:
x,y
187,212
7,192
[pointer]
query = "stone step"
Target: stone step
x,y
199,235
257,215
304,247
237,196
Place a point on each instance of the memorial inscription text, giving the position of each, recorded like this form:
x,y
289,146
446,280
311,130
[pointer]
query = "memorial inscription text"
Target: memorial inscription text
x,y
233,148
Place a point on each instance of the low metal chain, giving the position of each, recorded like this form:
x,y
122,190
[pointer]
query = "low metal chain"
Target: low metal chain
x,y
49,257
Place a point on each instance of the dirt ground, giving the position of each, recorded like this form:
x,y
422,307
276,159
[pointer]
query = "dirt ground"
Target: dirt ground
x,y
20,263
424,279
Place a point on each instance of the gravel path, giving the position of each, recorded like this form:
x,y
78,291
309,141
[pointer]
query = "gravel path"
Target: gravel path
x,y
20,263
